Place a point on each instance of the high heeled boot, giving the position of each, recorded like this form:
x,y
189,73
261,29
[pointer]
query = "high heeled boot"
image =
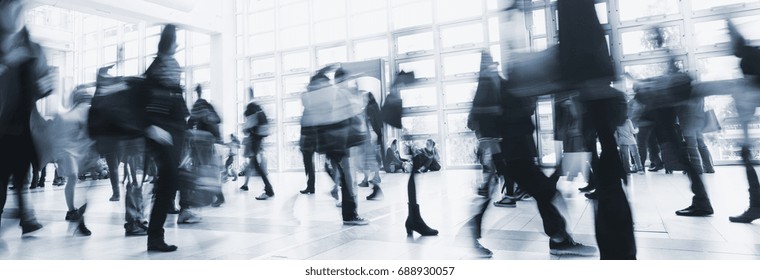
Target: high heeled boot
x,y
414,222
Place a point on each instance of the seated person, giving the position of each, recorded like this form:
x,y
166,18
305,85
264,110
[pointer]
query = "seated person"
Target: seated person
x,y
393,162
428,158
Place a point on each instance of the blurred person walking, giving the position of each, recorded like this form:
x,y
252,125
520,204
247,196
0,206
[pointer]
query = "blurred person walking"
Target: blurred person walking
x,y
24,78
166,113
256,128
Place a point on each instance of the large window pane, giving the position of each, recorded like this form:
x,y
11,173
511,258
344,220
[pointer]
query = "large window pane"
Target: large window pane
x,y
493,29
698,5
201,54
461,65
324,9
296,62
330,30
419,97
264,89
639,41
292,157
711,32
295,84
370,49
109,54
131,49
640,9
90,57
295,14
423,69
415,14
415,43
548,149
261,22
111,35
261,43
459,93
331,55
456,123
539,22
719,68
262,67
294,37
131,67
201,75
601,12
427,124
456,9
293,108
255,5
292,133
369,23
461,151
462,36
358,6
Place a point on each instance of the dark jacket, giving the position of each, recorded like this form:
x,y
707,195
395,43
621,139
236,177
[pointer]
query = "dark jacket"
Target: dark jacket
x,y
204,117
19,71
166,106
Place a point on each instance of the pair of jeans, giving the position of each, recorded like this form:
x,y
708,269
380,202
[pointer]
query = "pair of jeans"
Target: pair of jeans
x,y
648,147
167,160
626,151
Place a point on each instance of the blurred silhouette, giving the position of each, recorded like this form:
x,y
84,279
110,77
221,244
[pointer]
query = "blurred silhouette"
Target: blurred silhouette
x,y
750,66
256,127
585,66
392,116
166,114
24,78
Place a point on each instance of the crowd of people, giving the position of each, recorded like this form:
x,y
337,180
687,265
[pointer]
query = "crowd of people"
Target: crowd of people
x,y
175,147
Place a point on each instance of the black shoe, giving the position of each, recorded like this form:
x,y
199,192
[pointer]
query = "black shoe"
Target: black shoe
x,y
135,229
377,193
264,196
334,192
82,230
592,195
482,252
73,215
41,184
218,202
114,198
692,211
587,188
753,213
506,202
307,191
161,247
570,247
30,226
244,187
656,168
364,184
173,211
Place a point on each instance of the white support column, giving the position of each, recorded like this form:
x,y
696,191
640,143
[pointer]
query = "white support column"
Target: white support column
x,y
223,70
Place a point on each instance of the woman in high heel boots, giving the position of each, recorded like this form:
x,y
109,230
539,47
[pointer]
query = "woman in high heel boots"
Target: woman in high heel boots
x,y
392,116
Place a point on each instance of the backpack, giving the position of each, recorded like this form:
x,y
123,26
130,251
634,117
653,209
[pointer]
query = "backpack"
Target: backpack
x,y
118,107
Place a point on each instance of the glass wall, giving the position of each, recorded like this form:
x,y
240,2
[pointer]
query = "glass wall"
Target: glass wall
x,y
280,43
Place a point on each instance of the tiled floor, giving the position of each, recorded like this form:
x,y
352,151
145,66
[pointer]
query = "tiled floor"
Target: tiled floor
x,y
308,227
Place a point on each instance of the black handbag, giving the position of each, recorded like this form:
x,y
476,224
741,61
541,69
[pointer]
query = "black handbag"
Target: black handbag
x,y
663,91
118,108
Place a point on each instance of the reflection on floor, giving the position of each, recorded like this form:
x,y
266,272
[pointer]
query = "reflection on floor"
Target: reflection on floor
x,y
297,226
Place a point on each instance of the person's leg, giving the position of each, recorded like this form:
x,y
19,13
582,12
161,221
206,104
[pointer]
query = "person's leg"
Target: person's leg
x,y
692,152
434,165
309,169
625,157
268,190
165,189
654,151
636,158
704,152
112,161
700,205
342,166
